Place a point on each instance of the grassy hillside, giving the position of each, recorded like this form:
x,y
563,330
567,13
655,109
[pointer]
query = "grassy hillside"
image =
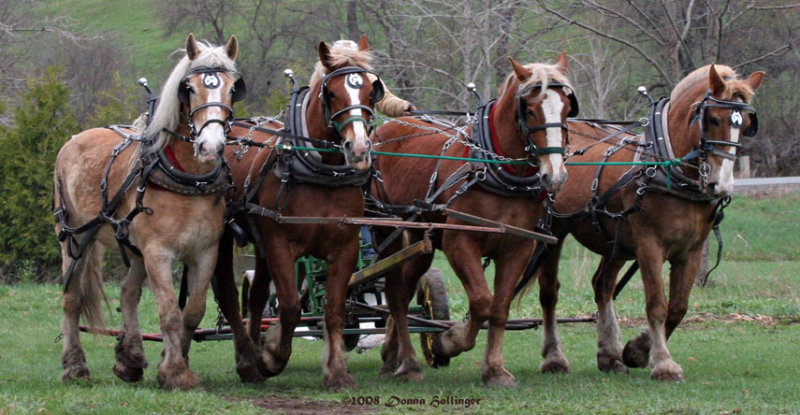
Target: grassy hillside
x,y
133,24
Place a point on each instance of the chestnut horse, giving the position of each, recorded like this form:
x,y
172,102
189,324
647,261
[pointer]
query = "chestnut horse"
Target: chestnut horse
x,y
527,122
177,184
644,220
335,112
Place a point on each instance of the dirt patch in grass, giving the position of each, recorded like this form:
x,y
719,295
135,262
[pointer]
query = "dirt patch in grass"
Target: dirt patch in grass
x,y
299,406
701,318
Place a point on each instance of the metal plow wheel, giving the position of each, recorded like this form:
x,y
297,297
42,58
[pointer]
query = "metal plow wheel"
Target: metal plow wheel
x,y
432,297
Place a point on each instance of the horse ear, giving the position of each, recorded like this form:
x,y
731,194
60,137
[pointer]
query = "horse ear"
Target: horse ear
x,y
191,47
521,72
324,55
561,63
363,45
755,79
232,47
715,82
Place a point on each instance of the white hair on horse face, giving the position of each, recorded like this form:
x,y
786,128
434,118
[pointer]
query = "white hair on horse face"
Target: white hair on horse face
x,y
552,106
167,113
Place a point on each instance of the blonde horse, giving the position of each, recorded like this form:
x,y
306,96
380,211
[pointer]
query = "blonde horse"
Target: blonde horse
x,y
164,207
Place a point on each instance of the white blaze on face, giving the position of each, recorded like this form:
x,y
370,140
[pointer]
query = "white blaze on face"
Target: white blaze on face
x,y
725,184
552,107
212,137
360,138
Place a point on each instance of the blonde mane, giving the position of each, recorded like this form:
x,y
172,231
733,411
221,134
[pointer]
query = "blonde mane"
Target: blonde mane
x,y
341,57
733,85
540,73
168,112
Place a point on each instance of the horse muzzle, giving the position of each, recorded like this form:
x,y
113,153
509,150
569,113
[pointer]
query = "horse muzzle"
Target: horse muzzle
x,y
358,154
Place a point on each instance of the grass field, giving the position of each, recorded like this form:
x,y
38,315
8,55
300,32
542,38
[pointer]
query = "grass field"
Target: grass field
x,y
739,350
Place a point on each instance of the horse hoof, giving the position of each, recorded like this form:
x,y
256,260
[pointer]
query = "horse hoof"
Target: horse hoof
x,y
128,374
667,371
554,366
611,365
636,353
272,366
187,380
388,369
505,380
413,375
249,373
78,372
346,381
667,377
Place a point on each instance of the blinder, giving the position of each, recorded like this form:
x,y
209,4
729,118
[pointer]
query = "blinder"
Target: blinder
x,y
573,105
751,129
377,93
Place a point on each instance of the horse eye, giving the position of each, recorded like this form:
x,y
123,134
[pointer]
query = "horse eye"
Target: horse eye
x,y
714,121
531,113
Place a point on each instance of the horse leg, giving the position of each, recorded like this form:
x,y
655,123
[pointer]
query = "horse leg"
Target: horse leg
x,y
201,269
341,265
248,365
681,280
408,367
609,343
393,289
173,370
131,360
464,258
390,344
508,270
651,261
277,347
259,295
553,353
80,294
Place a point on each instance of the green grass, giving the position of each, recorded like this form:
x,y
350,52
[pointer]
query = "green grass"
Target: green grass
x,y
762,228
728,366
731,365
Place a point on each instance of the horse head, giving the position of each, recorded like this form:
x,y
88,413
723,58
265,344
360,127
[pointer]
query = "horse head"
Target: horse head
x,y
198,98
347,98
712,105
544,100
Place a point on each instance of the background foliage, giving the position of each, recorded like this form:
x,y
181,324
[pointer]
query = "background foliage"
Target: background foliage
x,y
27,156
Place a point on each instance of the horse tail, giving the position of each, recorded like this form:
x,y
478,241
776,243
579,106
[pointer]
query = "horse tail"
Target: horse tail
x,y
525,289
86,286
83,279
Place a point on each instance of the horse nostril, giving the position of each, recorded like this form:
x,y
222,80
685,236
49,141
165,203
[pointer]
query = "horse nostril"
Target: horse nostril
x,y
547,180
348,146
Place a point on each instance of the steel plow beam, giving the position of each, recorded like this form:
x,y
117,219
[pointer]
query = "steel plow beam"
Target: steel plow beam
x,y
484,225
513,230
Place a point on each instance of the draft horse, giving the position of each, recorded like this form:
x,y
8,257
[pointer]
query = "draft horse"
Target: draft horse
x,y
635,215
526,123
334,112
155,195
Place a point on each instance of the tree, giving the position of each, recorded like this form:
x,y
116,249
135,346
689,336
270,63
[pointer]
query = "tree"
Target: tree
x,y
44,121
